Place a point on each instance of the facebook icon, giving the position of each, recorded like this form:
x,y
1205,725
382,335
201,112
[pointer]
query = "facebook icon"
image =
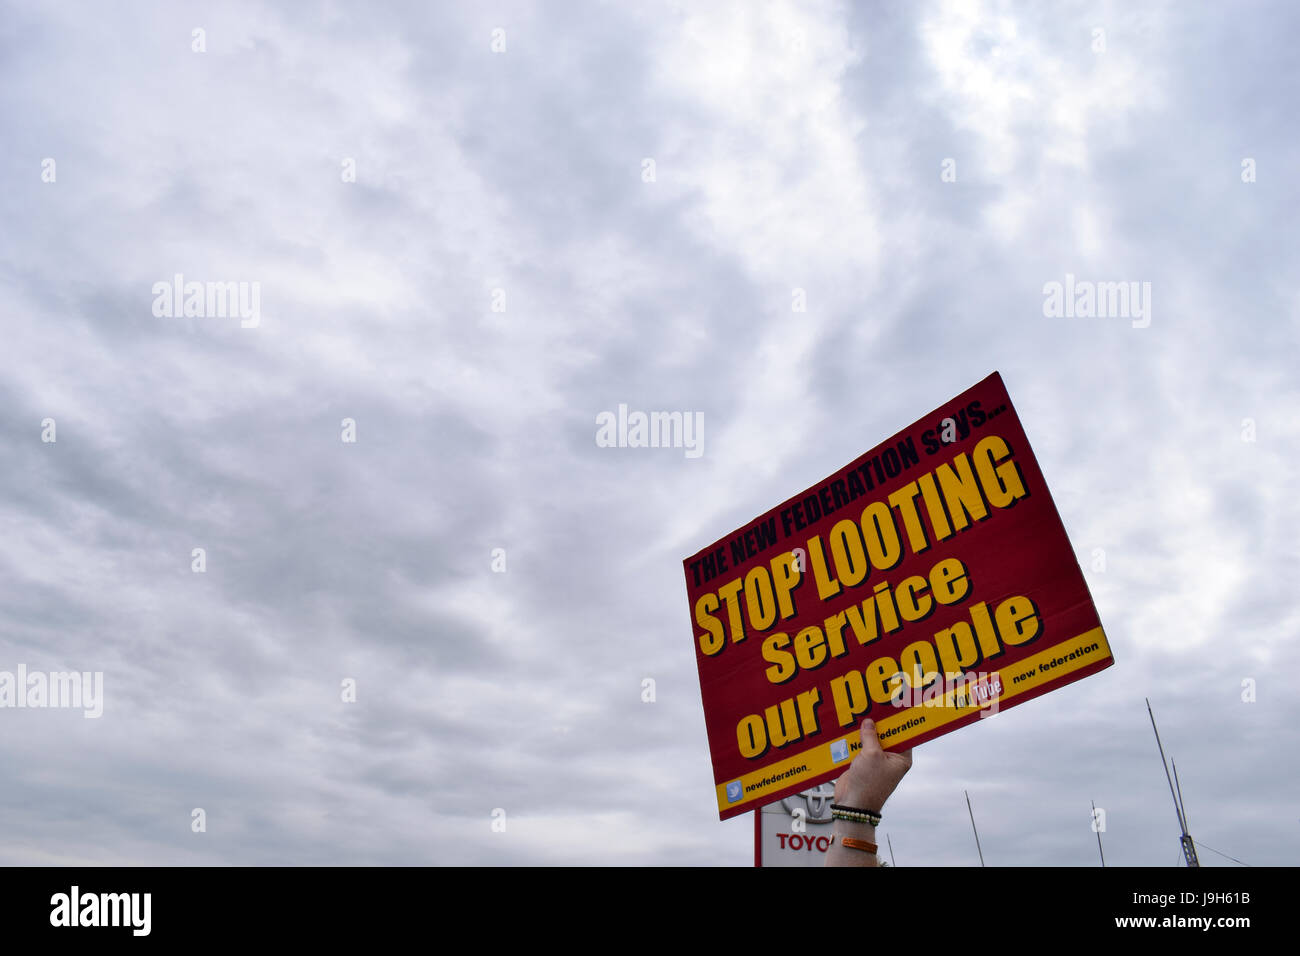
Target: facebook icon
x,y
840,750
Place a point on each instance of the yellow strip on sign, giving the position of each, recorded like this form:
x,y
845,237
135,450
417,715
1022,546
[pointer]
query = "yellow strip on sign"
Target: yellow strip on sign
x,y
1034,671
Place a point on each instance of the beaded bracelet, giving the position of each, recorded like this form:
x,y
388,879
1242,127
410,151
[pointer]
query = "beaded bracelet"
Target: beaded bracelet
x,y
855,815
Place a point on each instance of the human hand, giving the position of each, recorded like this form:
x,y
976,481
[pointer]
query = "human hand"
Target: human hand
x,y
873,775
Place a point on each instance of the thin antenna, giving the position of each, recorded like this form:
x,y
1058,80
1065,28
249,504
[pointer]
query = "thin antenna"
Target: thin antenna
x,y
972,826
891,850
1098,832
1189,848
1182,808
1164,763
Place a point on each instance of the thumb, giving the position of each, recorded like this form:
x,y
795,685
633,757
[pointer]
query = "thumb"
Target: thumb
x,y
870,742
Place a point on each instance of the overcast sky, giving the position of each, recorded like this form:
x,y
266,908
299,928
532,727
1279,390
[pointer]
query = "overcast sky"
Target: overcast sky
x,y
504,267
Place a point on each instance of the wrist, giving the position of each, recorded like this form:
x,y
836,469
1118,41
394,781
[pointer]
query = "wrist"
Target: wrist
x,y
863,799
862,831
843,854
840,811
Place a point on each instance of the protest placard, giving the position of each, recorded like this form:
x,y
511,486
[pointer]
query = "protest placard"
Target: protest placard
x,y
927,584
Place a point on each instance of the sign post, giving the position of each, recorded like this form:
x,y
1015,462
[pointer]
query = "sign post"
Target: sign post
x,y
795,830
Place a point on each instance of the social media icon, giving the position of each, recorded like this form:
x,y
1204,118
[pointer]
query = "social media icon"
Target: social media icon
x,y
840,750
734,791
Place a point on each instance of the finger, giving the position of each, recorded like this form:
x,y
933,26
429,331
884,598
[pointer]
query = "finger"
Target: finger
x,y
870,742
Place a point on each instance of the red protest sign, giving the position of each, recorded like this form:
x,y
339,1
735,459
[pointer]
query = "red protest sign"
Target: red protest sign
x,y
926,584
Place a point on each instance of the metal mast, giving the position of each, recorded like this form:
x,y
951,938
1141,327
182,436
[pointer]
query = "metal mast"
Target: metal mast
x,y
972,826
1097,831
1189,848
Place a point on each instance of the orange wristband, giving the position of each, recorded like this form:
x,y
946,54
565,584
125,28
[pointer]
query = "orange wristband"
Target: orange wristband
x,y
864,845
